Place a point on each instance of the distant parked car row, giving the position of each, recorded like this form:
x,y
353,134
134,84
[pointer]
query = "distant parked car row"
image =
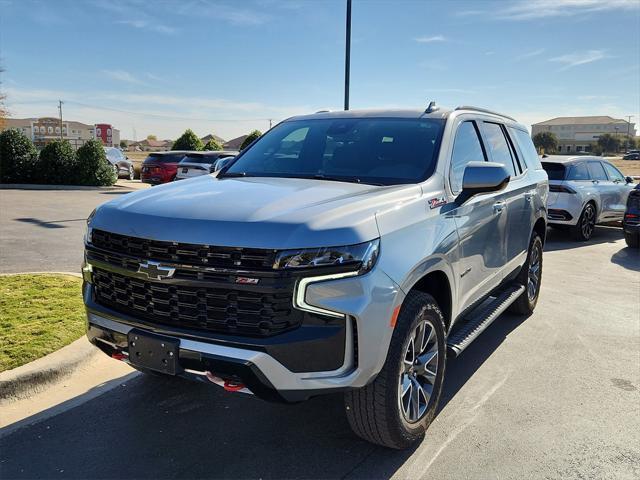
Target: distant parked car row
x,y
164,167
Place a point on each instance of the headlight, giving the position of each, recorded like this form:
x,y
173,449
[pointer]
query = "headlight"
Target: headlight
x,y
362,257
88,230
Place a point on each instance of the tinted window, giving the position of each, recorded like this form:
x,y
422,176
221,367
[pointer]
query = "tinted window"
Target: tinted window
x,y
466,148
555,171
528,154
613,172
169,158
368,150
498,146
578,172
596,171
200,158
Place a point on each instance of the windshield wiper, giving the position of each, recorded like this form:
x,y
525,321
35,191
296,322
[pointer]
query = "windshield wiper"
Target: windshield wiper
x,y
333,178
232,175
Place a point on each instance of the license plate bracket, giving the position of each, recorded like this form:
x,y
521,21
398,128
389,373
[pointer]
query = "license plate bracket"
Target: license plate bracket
x,y
153,352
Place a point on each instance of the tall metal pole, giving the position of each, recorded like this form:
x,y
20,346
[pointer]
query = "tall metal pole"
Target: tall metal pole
x,y
60,109
347,58
628,131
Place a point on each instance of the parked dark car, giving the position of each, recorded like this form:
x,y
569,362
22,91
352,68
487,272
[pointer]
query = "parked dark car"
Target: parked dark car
x,y
632,156
631,221
161,167
121,164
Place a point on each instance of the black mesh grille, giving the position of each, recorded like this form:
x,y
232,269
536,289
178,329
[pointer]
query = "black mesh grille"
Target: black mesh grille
x,y
227,310
211,256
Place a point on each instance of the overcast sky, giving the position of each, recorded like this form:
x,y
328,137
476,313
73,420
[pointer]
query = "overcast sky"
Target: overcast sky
x,y
158,67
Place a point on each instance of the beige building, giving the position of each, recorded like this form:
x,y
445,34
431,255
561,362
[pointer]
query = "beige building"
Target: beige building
x,y
576,134
46,129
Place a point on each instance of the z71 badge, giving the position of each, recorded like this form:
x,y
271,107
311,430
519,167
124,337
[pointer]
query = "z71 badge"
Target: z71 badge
x,y
437,202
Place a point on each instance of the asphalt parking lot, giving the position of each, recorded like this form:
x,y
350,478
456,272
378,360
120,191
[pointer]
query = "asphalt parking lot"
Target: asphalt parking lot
x,y
555,395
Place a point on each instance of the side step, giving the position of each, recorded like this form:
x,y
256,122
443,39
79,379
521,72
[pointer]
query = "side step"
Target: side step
x,y
462,336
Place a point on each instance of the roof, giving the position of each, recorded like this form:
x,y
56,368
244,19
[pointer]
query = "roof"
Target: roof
x,y
208,153
569,158
235,143
218,139
596,119
171,152
373,113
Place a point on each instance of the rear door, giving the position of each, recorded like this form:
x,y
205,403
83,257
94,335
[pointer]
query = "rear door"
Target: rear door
x,y
481,222
607,190
620,190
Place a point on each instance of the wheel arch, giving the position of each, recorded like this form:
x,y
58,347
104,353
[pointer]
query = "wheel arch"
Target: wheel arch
x,y
436,283
540,227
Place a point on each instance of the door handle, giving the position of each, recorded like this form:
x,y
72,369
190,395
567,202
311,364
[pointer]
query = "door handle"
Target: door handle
x,y
499,206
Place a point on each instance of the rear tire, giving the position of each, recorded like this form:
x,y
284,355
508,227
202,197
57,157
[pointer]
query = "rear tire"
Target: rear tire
x,y
132,173
531,277
386,412
583,230
633,240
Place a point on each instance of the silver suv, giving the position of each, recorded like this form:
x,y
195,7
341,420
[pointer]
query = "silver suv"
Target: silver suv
x,y
585,191
346,251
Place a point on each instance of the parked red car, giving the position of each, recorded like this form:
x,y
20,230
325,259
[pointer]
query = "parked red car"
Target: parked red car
x,y
161,167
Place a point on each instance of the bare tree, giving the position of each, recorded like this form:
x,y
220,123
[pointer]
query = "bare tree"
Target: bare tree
x,y
4,113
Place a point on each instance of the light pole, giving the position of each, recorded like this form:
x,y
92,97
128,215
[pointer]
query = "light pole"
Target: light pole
x,y
347,57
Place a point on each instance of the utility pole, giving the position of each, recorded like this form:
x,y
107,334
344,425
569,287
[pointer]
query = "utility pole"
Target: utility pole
x,y
270,123
60,110
347,58
628,131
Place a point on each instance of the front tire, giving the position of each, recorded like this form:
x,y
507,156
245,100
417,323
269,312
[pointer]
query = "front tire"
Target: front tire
x,y
399,405
583,230
132,173
531,277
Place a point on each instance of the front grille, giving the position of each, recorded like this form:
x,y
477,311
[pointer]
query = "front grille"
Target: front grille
x,y
187,253
220,309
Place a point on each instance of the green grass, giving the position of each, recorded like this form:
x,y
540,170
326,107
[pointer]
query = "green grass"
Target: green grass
x,y
38,315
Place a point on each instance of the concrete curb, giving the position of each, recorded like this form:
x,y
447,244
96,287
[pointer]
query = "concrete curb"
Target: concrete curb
x,y
28,379
23,381
28,186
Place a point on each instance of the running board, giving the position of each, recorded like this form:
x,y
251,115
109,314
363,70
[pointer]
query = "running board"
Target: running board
x,y
462,336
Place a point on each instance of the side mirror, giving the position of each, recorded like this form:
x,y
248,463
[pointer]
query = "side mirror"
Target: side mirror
x,y
221,163
483,177
629,179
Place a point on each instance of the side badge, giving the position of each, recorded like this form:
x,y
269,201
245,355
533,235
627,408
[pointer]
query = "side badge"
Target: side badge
x,y
437,202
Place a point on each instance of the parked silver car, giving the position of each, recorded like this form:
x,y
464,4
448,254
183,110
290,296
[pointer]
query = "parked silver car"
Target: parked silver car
x,y
195,164
121,164
341,252
585,191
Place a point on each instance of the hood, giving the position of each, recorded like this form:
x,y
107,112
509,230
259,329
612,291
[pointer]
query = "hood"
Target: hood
x,y
253,212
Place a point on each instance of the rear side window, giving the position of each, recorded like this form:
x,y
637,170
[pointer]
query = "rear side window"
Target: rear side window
x,y
527,149
613,172
555,171
466,148
500,152
596,171
578,172
169,158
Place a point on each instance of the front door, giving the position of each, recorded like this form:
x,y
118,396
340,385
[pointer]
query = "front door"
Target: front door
x,y
619,188
481,223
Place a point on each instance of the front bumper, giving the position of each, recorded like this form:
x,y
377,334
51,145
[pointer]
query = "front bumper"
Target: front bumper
x,y
285,367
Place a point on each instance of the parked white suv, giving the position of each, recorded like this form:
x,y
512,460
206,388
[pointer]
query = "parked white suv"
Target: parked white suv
x,y
585,191
344,251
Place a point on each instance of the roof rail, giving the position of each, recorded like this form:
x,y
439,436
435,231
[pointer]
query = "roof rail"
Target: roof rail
x,y
484,110
323,111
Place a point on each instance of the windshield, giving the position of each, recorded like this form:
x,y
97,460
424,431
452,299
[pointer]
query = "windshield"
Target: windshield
x,y
383,151
169,158
555,171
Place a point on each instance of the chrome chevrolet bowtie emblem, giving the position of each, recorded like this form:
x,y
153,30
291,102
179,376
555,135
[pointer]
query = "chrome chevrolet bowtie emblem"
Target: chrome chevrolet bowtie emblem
x,y
155,271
